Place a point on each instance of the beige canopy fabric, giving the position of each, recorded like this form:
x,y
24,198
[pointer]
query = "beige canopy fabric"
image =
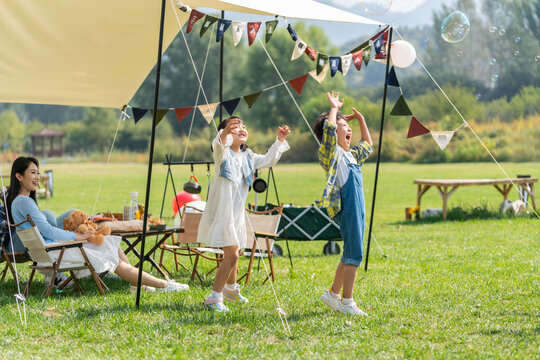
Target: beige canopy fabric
x,y
75,52
98,52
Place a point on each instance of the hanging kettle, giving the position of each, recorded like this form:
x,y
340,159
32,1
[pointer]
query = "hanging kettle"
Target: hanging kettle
x,y
259,185
192,186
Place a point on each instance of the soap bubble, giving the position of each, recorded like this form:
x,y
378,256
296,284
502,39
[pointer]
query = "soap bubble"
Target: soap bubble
x,y
460,53
502,32
455,27
516,53
492,61
492,28
376,7
517,40
494,77
537,58
478,96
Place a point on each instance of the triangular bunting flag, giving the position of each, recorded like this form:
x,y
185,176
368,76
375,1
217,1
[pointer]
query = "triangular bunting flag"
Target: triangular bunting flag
x,y
208,111
159,115
138,114
222,26
392,78
193,18
321,60
367,54
312,54
335,64
270,26
298,83
360,47
442,138
374,37
251,98
400,108
207,22
181,113
292,32
230,105
321,76
299,48
357,59
416,128
378,43
238,31
253,28
346,61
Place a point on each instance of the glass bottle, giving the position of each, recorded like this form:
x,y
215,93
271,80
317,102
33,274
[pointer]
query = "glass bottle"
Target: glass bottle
x,y
134,205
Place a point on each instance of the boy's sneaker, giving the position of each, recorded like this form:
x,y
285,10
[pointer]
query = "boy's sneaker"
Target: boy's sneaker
x,y
60,278
173,286
215,304
133,288
331,301
351,308
234,295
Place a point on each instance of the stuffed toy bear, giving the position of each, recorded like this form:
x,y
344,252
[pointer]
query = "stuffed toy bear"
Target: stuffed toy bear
x,y
78,221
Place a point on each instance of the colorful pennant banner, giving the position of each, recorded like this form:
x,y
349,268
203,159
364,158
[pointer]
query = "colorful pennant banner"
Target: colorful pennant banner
x,y
181,113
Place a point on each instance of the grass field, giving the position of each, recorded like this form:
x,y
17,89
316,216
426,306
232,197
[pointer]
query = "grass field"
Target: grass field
x,y
467,289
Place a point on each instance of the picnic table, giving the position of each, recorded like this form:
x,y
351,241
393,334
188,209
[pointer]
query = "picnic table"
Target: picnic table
x,y
447,187
162,236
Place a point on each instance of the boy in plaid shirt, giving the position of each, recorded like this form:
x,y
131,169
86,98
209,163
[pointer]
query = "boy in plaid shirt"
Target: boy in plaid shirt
x,y
343,195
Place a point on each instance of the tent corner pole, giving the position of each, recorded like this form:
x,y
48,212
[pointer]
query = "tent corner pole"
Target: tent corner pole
x,y
151,154
372,215
221,49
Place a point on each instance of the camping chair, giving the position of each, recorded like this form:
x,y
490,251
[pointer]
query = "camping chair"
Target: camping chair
x,y
6,251
42,259
187,245
262,228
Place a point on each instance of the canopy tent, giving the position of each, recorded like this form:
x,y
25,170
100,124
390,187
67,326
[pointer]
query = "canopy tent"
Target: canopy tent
x,y
97,53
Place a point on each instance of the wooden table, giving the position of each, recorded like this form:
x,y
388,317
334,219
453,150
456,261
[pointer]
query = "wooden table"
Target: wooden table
x,y
137,235
447,187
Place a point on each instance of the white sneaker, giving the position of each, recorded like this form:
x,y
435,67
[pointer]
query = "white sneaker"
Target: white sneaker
x,y
173,286
215,304
60,278
331,301
234,295
351,308
133,288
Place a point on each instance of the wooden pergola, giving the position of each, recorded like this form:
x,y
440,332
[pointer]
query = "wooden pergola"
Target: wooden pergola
x,y
38,143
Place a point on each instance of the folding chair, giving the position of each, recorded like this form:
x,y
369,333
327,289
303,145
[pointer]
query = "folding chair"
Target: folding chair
x,y
187,245
262,228
46,258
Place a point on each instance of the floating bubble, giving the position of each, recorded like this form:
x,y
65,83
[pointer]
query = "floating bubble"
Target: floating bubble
x,y
494,77
537,58
492,61
455,27
460,53
478,96
516,53
492,28
517,40
502,31
376,7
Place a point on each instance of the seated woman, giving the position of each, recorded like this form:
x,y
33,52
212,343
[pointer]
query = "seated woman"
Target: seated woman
x,y
21,201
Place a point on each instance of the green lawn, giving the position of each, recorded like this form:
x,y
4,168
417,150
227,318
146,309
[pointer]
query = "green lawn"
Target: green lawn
x,y
466,289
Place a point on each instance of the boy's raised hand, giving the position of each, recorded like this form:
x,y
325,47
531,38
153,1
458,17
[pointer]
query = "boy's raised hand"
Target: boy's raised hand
x,y
283,131
334,100
355,115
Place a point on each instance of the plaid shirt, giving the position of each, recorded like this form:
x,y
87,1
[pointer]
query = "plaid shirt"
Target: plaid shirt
x,y
329,158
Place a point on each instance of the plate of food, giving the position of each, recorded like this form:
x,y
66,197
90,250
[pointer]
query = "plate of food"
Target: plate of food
x,y
157,224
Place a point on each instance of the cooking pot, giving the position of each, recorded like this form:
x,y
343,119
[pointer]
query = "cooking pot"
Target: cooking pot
x,y
192,186
259,185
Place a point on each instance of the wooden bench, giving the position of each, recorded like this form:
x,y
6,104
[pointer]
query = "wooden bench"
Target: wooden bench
x,y
447,187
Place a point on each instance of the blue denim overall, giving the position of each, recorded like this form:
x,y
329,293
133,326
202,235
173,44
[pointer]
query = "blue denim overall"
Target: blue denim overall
x,y
352,216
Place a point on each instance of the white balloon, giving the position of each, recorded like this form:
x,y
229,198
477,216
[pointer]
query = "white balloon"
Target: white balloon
x,y
402,54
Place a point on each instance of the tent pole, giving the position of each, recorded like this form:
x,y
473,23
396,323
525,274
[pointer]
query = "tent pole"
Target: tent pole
x,y
379,148
221,46
151,155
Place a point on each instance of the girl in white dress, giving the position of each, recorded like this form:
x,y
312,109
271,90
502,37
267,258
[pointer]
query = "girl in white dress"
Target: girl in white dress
x,y
223,221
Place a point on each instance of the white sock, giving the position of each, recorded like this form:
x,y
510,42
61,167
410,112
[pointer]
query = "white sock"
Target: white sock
x,y
216,294
347,301
231,287
337,296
